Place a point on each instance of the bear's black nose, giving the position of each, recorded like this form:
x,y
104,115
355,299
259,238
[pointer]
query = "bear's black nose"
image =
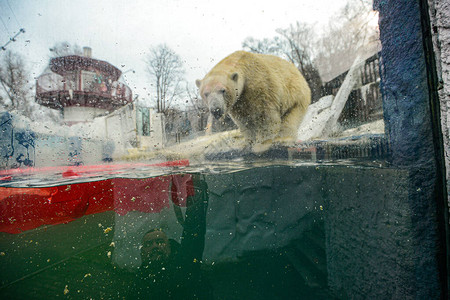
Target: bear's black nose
x,y
217,112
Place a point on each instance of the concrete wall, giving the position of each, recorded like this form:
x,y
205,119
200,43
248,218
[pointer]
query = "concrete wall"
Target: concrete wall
x,y
74,114
25,144
43,144
373,247
157,137
440,25
120,127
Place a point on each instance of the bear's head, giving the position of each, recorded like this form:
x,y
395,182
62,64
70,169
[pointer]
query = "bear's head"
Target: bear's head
x,y
220,91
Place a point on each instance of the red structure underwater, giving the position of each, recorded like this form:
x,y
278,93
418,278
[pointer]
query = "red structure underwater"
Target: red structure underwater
x,y
24,208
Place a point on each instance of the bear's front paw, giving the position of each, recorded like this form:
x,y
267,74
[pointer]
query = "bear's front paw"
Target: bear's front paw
x,y
284,141
261,147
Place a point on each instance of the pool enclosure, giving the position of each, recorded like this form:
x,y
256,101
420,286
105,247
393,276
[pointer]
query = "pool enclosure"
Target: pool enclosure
x,y
361,216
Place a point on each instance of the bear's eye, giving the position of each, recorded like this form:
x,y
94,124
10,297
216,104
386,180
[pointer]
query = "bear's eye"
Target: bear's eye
x,y
205,95
222,91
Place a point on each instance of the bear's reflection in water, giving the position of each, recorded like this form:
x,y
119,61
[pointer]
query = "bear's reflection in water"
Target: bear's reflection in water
x,y
201,265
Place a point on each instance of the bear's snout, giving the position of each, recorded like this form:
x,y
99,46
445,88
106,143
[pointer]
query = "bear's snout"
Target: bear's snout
x,y
217,112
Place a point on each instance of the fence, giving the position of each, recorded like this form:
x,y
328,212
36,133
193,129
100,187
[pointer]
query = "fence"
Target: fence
x,y
364,103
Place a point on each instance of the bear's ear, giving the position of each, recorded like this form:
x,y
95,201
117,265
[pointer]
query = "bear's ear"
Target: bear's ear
x,y
198,82
234,77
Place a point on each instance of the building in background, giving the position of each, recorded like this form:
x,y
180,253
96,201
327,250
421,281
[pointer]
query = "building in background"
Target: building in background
x,y
100,120
82,87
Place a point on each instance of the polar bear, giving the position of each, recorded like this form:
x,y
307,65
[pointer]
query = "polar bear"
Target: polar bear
x,y
265,96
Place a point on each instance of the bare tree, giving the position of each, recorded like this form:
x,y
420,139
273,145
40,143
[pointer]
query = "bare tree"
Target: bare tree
x,y
349,34
301,40
64,49
195,99
16,90
274,46
199,107
166,71
14,80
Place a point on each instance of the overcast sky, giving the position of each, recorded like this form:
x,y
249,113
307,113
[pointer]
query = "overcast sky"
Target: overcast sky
x,y
121,32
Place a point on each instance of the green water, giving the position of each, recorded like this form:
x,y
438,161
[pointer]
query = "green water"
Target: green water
x,y
273,232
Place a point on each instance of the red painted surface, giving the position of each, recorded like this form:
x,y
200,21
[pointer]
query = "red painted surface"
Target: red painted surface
x,y
23,209
80,170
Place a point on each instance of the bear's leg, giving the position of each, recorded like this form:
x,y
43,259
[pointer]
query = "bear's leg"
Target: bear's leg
x,y
209,124
266,130
290,123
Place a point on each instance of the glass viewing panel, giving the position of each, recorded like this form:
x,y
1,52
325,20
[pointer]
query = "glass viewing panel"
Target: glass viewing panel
x,y
129,170
85,84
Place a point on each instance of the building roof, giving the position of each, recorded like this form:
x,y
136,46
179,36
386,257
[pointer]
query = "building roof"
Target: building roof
x,y
62,65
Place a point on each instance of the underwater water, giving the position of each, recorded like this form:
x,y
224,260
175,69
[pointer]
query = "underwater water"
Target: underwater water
x,y
221,231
